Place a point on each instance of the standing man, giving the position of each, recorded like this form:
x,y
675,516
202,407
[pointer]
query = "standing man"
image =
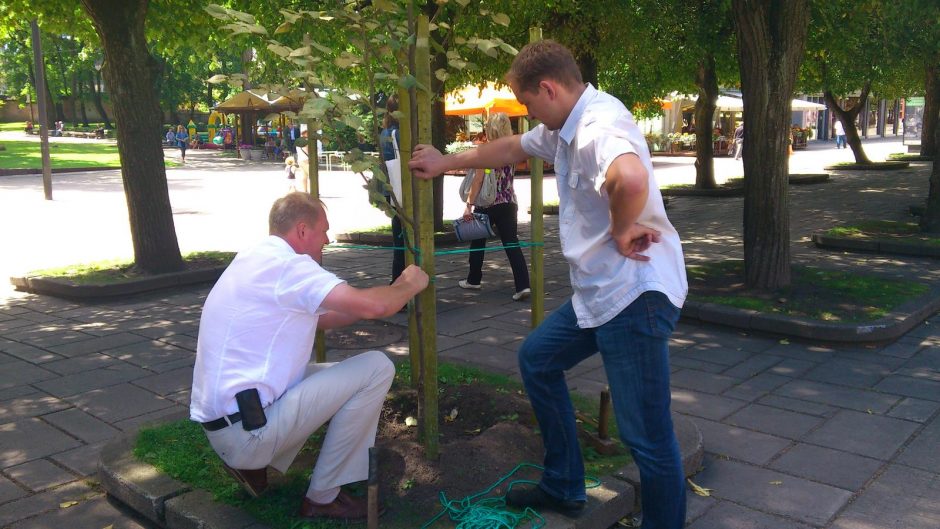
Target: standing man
x,y
253,390
840,134
739,141
627,272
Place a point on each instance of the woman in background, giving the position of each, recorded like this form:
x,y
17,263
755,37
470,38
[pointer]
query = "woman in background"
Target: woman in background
x,y
503,215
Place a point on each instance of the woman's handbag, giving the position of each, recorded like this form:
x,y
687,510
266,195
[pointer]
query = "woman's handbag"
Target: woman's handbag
x,y
487,194
477,227
394,170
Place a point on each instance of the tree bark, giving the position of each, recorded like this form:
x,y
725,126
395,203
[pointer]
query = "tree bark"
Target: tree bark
x,y
930,221
130,72
931,109
847,117
771,40
707,82
587,63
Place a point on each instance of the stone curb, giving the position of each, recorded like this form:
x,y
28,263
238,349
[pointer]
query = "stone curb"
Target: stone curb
x,y
874,166
55,170
67,290
878,246
174,505
890,327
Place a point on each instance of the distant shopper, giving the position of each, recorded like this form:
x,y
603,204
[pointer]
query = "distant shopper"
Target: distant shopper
x,y
181,141
840,135
738,141
170,137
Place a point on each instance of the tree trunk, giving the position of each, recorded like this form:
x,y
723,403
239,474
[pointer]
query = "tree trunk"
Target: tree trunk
x,y
930,221
96,98
587,63
707,82
931,110
771,40
130,72
847,117
80,91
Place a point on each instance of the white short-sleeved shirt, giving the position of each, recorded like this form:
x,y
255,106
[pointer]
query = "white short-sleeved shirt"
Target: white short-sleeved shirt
x,y
257,328
598,130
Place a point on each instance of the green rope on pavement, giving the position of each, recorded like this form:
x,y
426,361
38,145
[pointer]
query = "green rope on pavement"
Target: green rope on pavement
x,y
472,512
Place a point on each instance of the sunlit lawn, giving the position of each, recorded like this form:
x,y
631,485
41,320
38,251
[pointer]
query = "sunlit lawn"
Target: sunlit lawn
x,y
26,155
16,126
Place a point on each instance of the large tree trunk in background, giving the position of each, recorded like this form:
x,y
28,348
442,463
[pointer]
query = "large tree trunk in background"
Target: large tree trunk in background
x,y
130,72
931,109
930,221
96,98
587,63
80,92
707,82
771,40
847,117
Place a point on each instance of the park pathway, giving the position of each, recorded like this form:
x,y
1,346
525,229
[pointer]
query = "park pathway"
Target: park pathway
x,y
798,434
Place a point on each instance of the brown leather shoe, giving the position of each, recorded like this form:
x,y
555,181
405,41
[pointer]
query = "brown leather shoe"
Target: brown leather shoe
x,y
345,507
254,481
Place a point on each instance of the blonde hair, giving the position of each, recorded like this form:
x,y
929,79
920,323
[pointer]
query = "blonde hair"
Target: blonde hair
x,y
289,160
292,208
498,126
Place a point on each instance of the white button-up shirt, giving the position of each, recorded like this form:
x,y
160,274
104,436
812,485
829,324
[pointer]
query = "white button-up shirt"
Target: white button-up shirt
x,y
257,328
598,130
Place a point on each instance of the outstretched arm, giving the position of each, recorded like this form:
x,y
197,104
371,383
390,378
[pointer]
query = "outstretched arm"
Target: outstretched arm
x,y
348,304
627,185
427,162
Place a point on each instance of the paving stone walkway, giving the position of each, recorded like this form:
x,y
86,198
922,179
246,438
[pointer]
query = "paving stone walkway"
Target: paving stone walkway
x,y
797,434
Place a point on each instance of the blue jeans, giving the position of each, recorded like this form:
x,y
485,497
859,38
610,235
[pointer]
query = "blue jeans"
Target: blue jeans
x,y
840,141
635,348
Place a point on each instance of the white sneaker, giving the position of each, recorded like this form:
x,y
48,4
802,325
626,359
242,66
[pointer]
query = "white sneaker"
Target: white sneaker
x,y
522,294
463,283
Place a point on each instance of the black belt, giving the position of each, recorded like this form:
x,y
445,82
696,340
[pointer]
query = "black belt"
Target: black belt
x,y
221,422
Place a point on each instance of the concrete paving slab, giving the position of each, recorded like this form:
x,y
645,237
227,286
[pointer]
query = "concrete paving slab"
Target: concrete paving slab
x,y
756,386
793,367
115,403
901,498
25,509
82,461
93,513
846,372
797,405
10,491
853,399
865,434
911,387
676,361
78,383
17,373
704,405
774,421
92,345
738,443
730,516
924,450
31,405
39,474
180,379
81,425
832,467
772,492
28,439
752,366
702,381
915,410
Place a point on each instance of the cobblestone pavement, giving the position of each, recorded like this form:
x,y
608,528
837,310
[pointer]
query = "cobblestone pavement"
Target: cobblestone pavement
x,y
797,434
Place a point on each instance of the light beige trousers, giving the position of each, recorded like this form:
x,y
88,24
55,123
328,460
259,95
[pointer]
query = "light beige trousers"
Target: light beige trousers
x,y
349,394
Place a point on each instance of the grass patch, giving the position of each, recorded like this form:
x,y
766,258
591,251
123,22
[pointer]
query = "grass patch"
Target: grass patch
x,y
180,449
15,126
114,271
21,154
885,230
815,293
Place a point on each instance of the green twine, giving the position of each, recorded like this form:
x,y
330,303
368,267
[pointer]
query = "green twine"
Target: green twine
x,y
491,513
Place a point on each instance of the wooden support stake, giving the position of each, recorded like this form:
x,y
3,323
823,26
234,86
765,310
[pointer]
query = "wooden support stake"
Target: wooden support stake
x,y
373,497
536,253
603,417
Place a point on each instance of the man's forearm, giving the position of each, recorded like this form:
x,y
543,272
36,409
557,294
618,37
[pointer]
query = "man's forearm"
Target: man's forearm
x,y
497,153
627,187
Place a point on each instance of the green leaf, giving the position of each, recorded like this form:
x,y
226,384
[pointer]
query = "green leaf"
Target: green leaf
x,y
300,52
283,28
408,82
463,3
217,78
441,74
321,48
290,17
501,18
217,11
279,50
244,17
